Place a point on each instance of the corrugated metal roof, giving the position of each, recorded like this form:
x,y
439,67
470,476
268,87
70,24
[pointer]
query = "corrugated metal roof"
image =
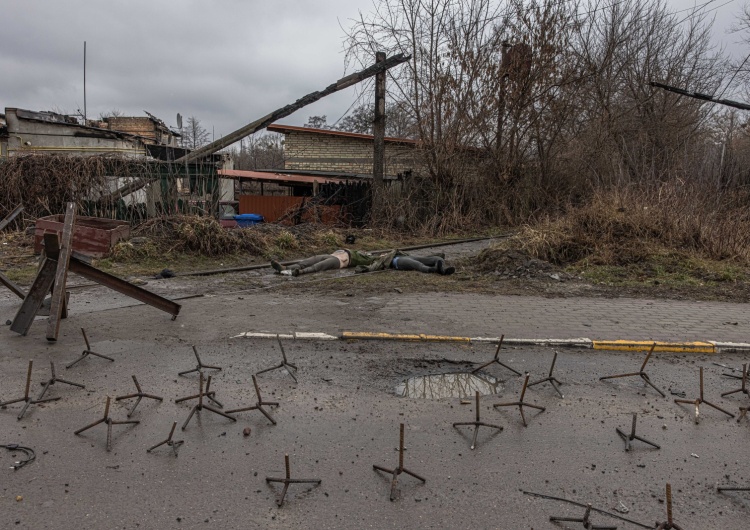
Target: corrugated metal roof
x,y
278,177
277,127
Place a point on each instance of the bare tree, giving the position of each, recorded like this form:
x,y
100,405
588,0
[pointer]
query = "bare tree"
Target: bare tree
x,y
522,106
399,123
194,135
112,113
261,151
317,122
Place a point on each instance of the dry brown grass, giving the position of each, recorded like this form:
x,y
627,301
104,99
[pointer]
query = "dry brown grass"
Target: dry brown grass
x,y
624,227
194,235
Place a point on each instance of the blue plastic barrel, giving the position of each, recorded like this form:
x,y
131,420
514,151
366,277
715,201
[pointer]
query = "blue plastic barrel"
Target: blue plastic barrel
x,y
248,219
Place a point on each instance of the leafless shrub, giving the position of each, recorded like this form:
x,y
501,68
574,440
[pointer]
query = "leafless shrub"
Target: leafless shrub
x,y
568,114
43,184
623,226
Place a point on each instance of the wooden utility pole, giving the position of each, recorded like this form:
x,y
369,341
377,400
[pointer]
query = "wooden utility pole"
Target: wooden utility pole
x,y
378,131
263,122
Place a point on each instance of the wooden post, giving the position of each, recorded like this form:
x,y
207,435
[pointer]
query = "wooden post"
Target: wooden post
x,y
378,131
61,274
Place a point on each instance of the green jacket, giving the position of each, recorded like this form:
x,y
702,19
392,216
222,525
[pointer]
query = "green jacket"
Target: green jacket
x,y
380,263
359,259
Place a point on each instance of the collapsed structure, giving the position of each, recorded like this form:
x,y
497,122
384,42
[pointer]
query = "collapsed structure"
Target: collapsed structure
x,y
130,147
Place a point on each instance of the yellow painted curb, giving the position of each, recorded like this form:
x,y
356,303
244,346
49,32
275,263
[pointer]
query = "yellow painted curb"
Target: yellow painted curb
x,y
401,336
673,347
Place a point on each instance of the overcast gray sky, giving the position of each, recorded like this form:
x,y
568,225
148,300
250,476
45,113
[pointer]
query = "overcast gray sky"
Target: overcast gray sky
x,y
225,62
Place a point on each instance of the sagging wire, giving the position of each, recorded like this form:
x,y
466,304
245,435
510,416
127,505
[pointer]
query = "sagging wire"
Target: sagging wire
x,y
609,514
28,451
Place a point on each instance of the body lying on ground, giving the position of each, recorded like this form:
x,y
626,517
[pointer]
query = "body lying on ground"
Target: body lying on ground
x,y
365,262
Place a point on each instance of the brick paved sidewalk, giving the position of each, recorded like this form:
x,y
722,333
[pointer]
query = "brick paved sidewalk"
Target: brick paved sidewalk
x,y
472,315
594,318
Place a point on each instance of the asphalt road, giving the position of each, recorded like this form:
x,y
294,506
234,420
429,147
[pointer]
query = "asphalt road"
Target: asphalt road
x,y
341,418
343,415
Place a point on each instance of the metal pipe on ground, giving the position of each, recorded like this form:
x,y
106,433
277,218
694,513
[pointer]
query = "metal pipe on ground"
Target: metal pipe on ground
x,y
211,272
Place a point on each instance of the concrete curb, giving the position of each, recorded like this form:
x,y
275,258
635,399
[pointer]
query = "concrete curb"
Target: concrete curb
x,y
643,345
709,347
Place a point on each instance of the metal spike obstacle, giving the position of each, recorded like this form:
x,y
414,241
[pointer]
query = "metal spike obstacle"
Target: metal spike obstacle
x,y
550,378
669,524
477,423
200,366
26,399
641,373
140,395
400,469
54,379
697,402
87,352
288,480
60,259
628,438
208,393
495,360
109,421
283,364
742,388
174,444
200,406
521,403
587,524
258,404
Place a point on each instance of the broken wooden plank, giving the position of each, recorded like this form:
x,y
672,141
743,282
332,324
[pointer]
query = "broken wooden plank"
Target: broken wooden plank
x,y
61,274
126,288
12,286
35,297
12,215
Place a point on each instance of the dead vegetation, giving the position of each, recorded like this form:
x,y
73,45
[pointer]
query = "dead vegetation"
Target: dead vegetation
x,y
45,183
172,236
189,234
657,235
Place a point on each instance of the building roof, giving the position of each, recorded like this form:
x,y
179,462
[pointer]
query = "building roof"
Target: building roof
x,y
344,175
68,121
279,177
285,129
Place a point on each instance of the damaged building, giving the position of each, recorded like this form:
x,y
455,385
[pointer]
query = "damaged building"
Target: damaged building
x,y
143,142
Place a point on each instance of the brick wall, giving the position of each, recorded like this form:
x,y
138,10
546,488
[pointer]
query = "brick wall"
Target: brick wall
x,y
319,152
133,125
141,126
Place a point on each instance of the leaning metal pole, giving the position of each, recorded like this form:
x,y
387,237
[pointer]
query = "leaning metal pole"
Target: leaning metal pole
x,y
265,121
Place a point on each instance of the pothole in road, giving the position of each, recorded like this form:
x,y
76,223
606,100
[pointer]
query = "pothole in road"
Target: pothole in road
x,y
455,385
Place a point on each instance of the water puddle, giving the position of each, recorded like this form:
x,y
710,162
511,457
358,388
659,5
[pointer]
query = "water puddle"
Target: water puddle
x,y
455,385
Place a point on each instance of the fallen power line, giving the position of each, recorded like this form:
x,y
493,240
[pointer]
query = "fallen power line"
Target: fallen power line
x,y
581,505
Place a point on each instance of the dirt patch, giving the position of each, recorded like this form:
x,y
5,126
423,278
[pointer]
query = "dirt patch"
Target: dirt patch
x,y
510,263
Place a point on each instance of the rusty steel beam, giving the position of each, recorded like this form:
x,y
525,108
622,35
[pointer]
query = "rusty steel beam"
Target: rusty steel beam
x,y
57,306
12,215
126,288
12,286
